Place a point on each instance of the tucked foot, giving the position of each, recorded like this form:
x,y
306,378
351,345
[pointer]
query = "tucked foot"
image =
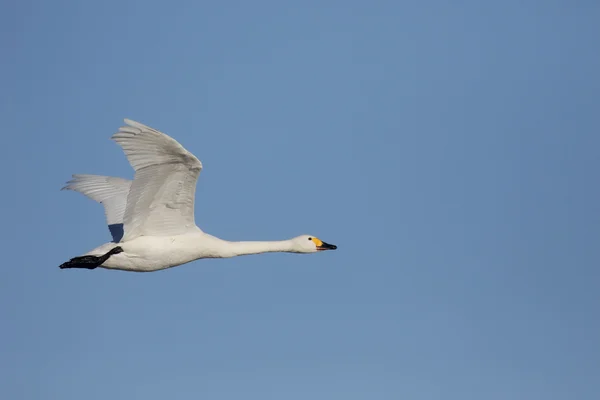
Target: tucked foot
x,y
90,262
114,250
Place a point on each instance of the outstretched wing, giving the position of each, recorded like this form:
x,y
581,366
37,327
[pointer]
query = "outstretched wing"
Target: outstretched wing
x,y
109,191
161,199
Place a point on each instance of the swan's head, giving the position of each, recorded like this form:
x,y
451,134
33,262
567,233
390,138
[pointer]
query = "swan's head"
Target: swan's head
x,y
310,244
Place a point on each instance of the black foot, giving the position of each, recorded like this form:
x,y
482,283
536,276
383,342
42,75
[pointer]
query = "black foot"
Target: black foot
x,y
90,262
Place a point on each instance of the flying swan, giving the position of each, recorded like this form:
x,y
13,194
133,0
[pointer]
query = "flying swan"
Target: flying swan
x,y
151,218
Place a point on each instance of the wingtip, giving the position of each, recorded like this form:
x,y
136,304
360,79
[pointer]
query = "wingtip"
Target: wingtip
x,y
135,124
68,185
70,182
131,127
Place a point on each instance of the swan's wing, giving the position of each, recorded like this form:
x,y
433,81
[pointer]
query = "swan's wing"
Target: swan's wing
x,y
161,198
109,191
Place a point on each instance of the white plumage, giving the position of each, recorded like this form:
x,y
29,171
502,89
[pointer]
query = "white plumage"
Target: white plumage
x,y
156,210
109,191
161,198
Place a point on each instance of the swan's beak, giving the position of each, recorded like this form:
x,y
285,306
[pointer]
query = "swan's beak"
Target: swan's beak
x,y
326,246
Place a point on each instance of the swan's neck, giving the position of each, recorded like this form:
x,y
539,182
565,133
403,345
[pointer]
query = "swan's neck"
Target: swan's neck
x,y
233,249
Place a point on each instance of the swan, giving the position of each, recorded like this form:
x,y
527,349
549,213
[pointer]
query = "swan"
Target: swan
x,y
151,219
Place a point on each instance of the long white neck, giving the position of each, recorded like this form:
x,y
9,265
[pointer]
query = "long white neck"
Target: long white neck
x,y
233,249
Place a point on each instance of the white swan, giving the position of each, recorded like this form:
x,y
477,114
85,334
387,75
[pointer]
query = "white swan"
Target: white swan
x,y
151,218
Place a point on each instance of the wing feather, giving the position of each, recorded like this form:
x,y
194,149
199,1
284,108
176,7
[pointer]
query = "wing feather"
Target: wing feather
x,y
161,199
109,191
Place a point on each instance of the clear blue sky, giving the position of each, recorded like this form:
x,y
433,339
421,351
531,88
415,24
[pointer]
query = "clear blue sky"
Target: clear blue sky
x,y
451,151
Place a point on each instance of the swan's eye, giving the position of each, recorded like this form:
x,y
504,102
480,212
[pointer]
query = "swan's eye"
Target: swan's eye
x,y
309,238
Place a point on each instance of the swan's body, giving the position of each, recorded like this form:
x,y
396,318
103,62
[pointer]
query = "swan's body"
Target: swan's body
x,y
152,253
151,218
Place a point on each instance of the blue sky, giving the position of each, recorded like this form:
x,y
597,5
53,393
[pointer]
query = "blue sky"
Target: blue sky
x,y
449,150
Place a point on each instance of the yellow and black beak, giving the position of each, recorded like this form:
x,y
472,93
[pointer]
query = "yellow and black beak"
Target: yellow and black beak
x,y
326,246
321,245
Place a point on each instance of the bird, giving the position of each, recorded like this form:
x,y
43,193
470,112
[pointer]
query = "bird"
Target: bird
x,y
151,218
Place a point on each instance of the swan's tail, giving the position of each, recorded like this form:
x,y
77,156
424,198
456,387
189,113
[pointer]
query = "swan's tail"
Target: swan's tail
x,y
90,262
